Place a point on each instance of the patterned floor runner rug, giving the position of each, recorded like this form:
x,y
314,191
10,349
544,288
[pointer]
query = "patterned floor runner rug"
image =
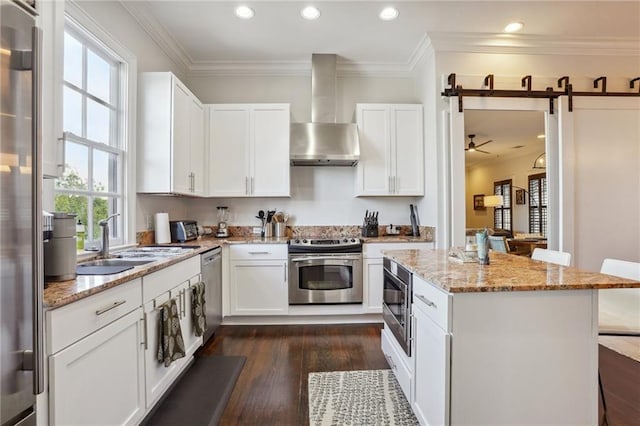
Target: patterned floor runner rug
x,y
367,397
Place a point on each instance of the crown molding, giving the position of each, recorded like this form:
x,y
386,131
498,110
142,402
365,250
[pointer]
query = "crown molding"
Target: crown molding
x,y
535,45
174,50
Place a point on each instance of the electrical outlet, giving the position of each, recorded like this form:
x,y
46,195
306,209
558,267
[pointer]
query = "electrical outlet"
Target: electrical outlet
x,y
149,221
257,230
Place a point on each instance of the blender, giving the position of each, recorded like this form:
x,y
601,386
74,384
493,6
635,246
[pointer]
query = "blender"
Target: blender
x,y
223,216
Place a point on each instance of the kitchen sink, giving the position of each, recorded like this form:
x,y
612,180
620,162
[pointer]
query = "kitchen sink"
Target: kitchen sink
x,y
117,262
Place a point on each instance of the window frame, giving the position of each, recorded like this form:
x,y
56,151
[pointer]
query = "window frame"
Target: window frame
x,y
540,206
103,42
505,186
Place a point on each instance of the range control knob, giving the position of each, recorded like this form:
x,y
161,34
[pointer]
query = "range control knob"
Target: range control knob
x,y
297,241
345,240
353,240
304,241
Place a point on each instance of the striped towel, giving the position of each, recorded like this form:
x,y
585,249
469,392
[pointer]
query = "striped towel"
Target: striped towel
x,y
170,343
198,309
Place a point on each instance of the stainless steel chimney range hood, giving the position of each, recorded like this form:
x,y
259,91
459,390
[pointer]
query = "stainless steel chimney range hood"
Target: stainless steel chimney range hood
x,y
323,142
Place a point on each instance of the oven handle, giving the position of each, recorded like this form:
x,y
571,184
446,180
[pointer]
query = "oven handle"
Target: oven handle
x,y
340,257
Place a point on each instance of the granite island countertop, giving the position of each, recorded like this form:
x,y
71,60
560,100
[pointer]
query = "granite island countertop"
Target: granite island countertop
x,y
506,272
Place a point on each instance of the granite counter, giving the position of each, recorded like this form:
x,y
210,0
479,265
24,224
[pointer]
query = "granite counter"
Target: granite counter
x,y
505,273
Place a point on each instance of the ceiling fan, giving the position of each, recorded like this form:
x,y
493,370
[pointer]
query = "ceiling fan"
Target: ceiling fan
x,y
472,147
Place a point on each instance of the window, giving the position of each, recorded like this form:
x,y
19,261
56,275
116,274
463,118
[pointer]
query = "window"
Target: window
x,y
538,204
502,215
94,111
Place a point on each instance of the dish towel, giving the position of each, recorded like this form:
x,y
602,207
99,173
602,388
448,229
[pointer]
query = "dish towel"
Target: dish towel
x,y
198,309
170,343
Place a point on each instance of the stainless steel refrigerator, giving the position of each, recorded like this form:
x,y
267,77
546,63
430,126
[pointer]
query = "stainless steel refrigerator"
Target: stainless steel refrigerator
x,y
21,355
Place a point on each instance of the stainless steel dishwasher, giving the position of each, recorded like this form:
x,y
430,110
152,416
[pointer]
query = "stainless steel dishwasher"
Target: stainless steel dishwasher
x,y
211,264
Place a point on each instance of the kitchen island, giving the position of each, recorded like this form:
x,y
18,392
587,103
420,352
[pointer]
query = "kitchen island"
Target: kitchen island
x,y
513,342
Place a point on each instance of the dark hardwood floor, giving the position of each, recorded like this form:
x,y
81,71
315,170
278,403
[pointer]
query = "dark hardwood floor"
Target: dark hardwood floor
x,y
272,388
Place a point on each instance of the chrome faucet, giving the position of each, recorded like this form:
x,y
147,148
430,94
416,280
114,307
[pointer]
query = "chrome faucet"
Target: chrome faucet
x,y
104,252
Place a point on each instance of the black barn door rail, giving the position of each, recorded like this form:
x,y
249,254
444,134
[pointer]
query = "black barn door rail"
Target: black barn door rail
x,y
528,92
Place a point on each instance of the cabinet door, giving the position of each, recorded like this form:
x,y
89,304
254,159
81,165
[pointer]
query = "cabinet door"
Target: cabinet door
x,y
197,151
407,150
157,376
373,279
181,139
228,164
101,377
374,174
259,288
431,371
51,20
270,151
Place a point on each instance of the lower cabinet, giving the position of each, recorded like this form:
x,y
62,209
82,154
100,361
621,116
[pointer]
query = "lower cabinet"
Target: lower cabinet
x,y
101,377
431,373
258,283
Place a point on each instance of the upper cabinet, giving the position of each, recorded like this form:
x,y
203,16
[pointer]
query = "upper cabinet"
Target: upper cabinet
x,y
171,137
391,150
248,150
51,21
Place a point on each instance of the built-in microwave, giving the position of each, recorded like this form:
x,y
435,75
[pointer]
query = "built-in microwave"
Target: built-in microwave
x,y
396,304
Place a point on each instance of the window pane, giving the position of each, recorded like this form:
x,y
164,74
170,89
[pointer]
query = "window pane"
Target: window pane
x,y
72,111
98,76
72,204
105,171
76,174
72,60
98,122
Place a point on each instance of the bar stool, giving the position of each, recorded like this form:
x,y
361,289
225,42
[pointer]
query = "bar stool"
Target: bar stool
x,y
621,297
551,256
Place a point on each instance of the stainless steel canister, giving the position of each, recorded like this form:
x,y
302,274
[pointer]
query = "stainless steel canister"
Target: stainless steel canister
x,y
60,250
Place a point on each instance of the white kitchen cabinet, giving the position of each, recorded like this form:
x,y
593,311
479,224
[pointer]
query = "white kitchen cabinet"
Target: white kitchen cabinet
x,y
51,21
170,144
373,270
431,373
497,357
158,288
248,150
258,282
391,150
96,343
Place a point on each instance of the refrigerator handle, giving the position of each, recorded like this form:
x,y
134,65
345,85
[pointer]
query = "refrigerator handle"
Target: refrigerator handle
x,y
36,167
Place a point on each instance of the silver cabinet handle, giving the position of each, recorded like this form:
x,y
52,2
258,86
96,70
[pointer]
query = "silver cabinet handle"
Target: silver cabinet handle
x,y
246,185
285,272
145,333
110,307
426,301
259,252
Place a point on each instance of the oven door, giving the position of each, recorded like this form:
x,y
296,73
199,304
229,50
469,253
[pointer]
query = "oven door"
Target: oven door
x,y
325,278
396,309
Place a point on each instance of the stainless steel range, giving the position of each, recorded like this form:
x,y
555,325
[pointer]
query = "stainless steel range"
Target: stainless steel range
x,y
325,271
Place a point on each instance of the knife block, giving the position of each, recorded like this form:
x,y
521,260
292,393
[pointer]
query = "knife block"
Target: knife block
x,y
370,230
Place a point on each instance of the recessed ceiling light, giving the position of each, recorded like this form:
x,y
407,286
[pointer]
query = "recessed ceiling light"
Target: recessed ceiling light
x,y
310,13
244,12
513,27
541,136
388,14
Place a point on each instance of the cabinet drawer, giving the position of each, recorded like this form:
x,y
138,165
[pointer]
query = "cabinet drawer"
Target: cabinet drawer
x,y
72,322
374,250
396,363
434,302
165,279
258,252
